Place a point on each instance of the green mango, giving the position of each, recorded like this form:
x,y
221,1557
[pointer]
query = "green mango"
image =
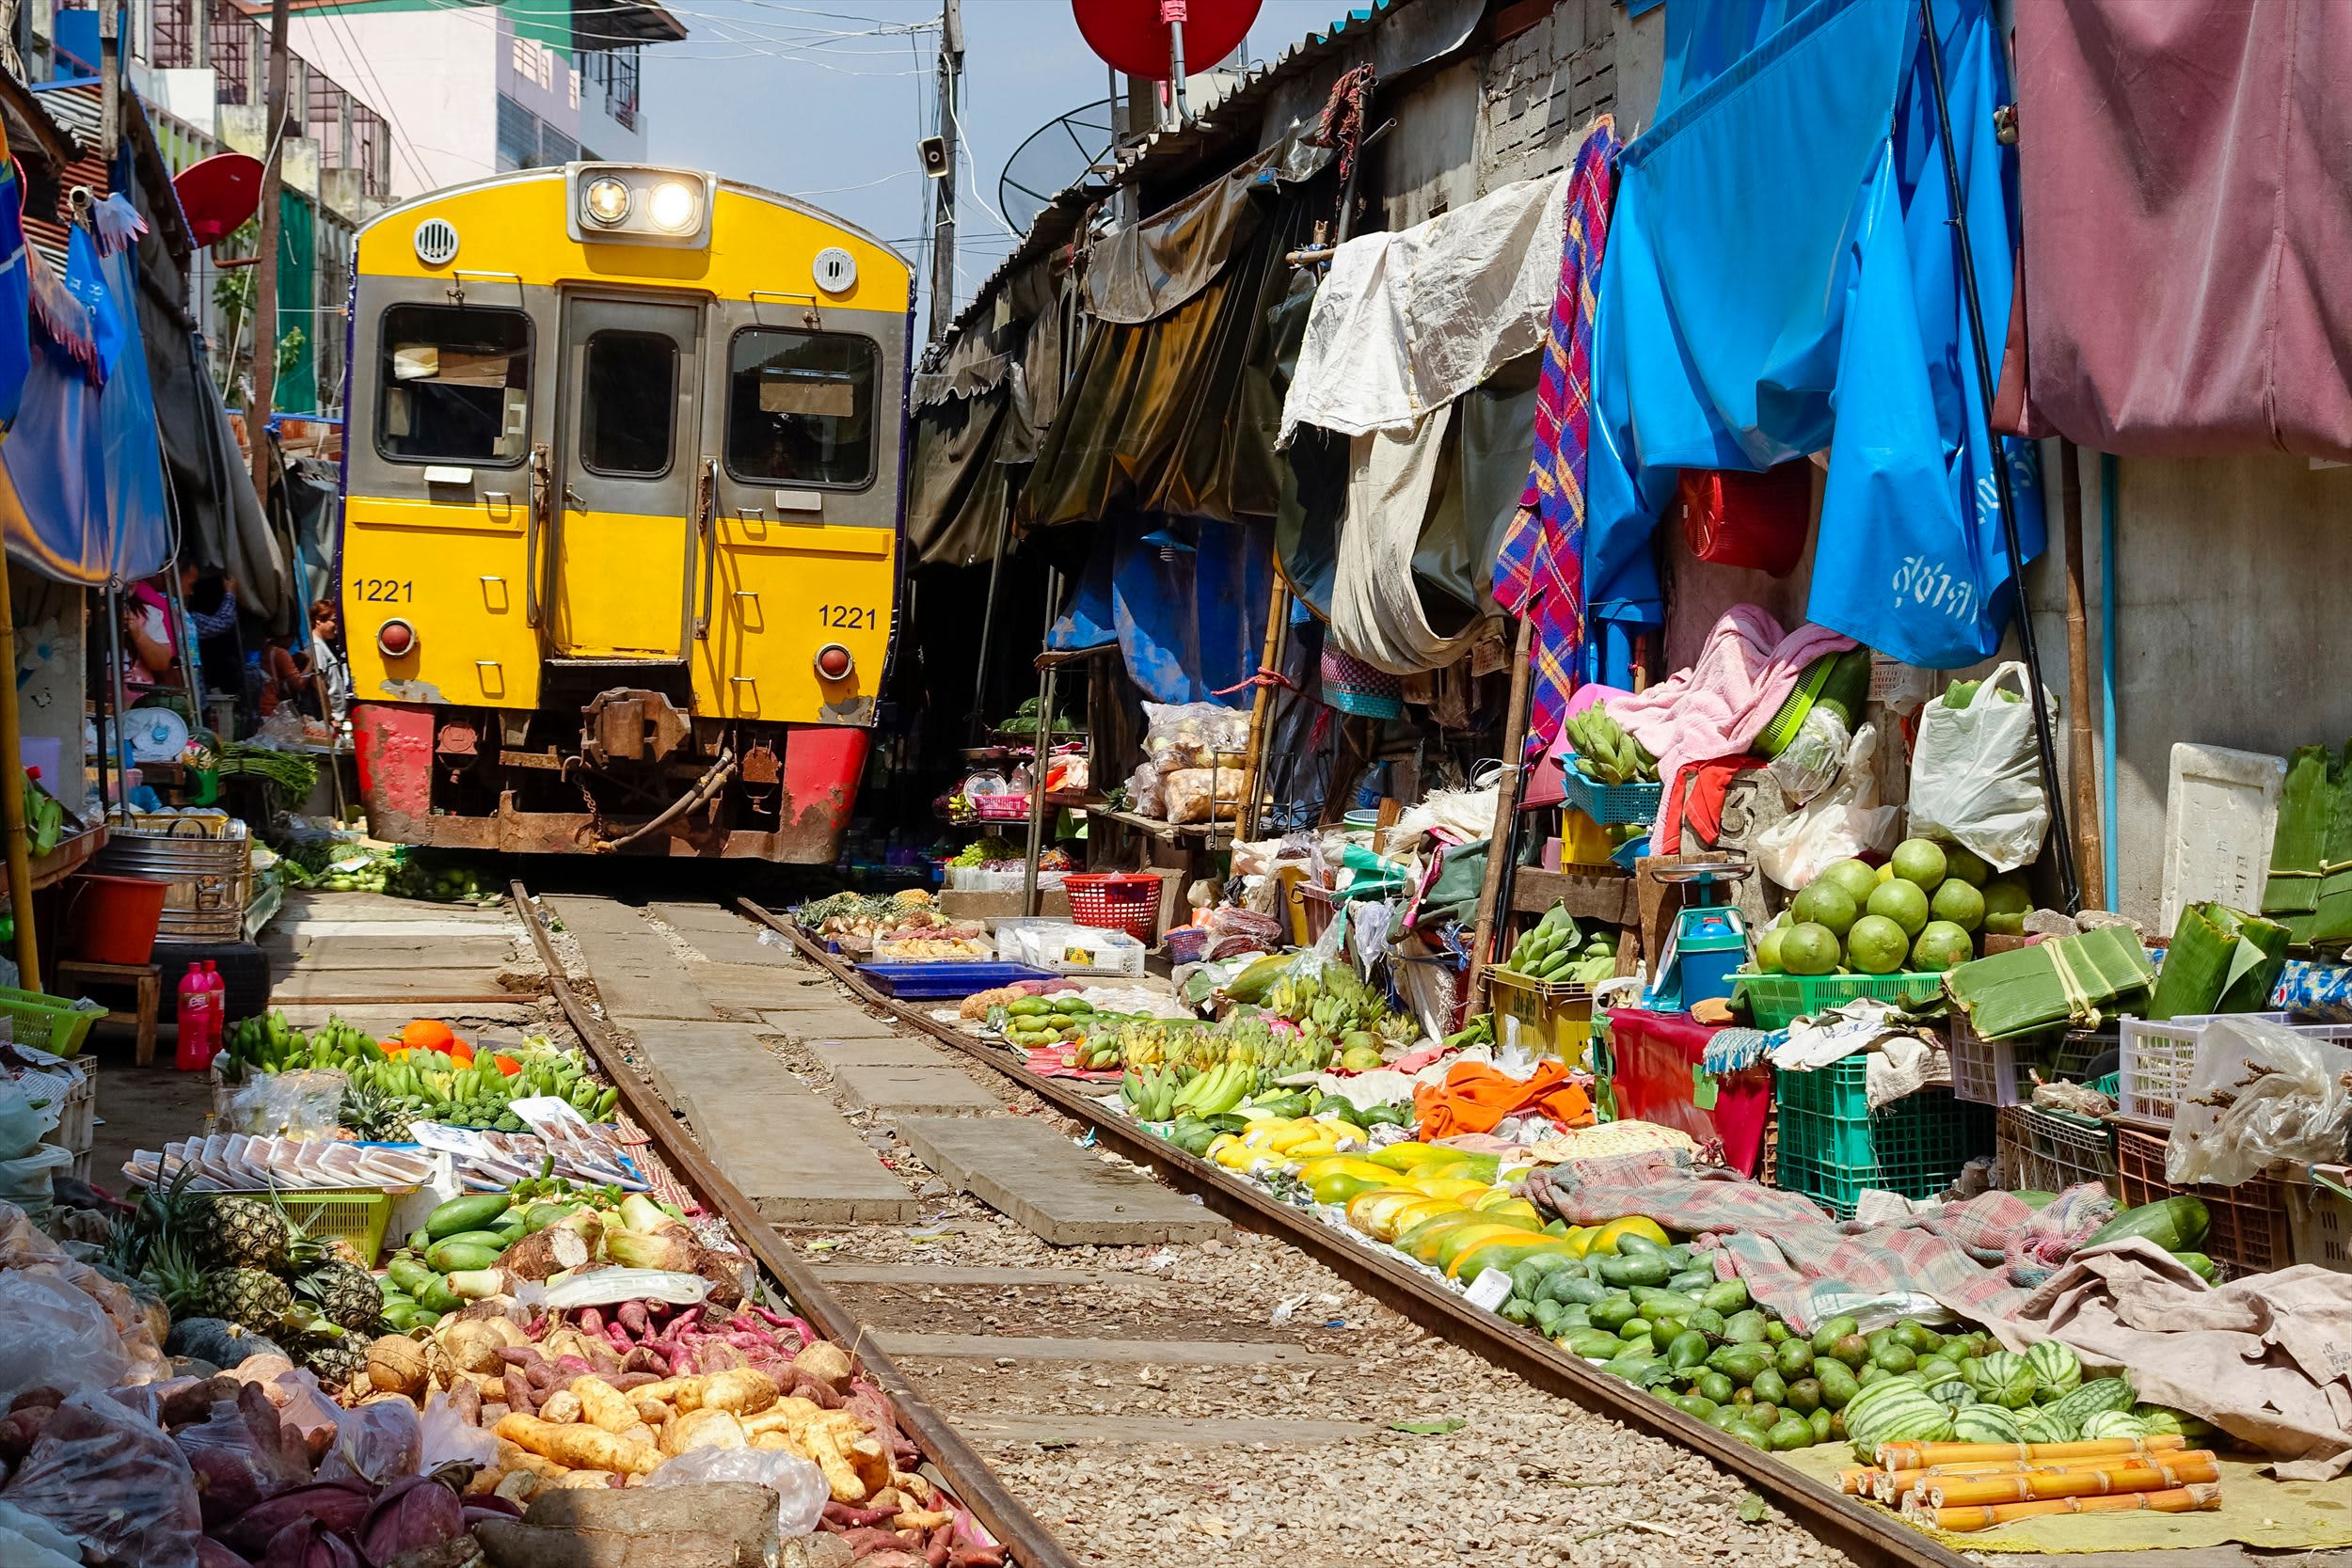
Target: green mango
x,y
1770,1387
1794,1358
1833,1331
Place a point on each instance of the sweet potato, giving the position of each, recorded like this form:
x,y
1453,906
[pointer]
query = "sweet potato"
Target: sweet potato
x,y
513,1456
580,1447
580,1481
651,1412
702,1428
602,1404
825,1362
561,1408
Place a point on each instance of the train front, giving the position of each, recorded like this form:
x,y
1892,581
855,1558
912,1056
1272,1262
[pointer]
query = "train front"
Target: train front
x,y
621,514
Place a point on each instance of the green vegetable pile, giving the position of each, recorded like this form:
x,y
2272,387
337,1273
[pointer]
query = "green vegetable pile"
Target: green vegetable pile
x,y
295,774
1604,753
1024,720
1194,1131
1556,948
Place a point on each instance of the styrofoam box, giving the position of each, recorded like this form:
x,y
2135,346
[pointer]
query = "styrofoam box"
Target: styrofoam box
x,y
1064,948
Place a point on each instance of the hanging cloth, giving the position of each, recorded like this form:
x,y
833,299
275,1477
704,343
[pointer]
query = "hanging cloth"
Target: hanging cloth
x,y
1378,613
16,348
1539,573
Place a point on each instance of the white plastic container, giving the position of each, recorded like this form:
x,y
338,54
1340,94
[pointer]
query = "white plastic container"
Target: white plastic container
x,y
1063,948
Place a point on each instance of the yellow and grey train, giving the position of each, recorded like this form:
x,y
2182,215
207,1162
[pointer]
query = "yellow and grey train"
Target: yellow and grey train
x,y
622,501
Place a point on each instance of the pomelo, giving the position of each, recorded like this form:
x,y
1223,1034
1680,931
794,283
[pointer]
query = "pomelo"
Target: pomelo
x,y
1768,950
1941,945
1887,872
1856,877
1809,949
1919,861
1877,946
1902,902
1825,903
1965,864
2005,905
1958,902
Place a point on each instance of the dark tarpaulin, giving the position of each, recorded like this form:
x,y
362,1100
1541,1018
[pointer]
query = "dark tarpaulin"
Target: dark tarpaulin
x,y
1178,415
2187,195
957,489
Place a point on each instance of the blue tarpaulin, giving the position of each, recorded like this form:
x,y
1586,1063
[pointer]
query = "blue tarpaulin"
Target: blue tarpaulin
x,y
1184,599
1783,278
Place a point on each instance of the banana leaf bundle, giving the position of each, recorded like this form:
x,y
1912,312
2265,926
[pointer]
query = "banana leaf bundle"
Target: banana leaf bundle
x,y
2221,960
2071,983
2310,888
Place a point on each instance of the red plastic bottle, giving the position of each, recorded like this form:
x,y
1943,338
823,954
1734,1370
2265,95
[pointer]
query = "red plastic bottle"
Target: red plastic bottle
x,y
218,1023
193,1053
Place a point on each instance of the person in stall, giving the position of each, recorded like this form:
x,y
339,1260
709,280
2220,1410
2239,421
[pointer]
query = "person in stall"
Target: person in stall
x,y
326,665
148,646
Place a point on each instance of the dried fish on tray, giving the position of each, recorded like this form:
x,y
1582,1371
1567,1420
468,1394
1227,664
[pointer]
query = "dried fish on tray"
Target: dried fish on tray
x,y
232,1162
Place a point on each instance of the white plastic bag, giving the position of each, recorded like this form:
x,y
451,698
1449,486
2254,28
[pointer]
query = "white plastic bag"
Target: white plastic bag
x,y
1811,762
52,1335
1840,822
2260,1091
1976,774
449,1439
798,1485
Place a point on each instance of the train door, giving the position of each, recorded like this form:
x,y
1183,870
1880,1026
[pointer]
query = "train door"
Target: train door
x,y
626,478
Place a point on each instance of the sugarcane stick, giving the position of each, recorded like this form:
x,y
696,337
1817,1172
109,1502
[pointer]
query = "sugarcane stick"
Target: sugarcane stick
x,y
2184,1499
1923,1456
1890,1485
2038,1486
1858,1483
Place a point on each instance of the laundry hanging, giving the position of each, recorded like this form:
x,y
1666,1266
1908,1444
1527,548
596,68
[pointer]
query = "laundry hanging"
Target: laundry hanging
x,y
1781,277
1406,321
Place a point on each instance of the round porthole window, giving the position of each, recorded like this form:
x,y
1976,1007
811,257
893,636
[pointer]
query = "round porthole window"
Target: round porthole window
x,y
437,242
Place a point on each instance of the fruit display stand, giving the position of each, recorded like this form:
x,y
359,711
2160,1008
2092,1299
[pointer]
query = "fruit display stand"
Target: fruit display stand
x,y
1779,999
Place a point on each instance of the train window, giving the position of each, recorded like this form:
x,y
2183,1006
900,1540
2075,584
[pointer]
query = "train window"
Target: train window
x,y
629,404
454,385
801,407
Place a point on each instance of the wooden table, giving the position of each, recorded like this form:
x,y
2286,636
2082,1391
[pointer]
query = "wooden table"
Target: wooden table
x,y
146,983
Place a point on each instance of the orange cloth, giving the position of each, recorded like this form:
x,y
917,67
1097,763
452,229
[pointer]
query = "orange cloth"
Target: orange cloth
x,y
1475,1097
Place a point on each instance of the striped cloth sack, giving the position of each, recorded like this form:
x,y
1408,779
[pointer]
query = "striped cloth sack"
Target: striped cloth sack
x,y
1541,572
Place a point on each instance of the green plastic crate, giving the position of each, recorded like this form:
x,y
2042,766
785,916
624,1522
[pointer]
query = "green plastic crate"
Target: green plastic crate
x,y
1832,1146
1779,999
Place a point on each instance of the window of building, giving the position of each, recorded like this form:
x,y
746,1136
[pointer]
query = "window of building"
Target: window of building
x,y
519,136
454,385
611,76
628,404
801,407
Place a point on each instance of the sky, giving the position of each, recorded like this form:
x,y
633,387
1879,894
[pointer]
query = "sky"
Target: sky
x,y
826,100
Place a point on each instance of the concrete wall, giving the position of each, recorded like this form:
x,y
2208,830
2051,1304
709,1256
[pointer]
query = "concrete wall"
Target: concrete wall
x,y
431,73
50,674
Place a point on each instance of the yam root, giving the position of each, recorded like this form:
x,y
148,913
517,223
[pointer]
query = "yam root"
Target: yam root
x,y
743,1391
702,1428
640,1432
652,1411
512,1457
778,1440
563,1407
545,1252
578,1480
601,1404
827,1363
580,1447
782,1416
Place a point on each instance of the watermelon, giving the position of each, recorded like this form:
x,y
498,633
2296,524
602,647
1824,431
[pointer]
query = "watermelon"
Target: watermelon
x,y
2057,1369
2047,1423
2003,1378
1894,1410
2104,1425
2160,1422
1953,1391
1985,1423
2073,1410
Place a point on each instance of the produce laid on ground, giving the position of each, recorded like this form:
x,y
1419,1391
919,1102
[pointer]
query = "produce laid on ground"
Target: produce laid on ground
x,y
425,1074
905,922
1923,910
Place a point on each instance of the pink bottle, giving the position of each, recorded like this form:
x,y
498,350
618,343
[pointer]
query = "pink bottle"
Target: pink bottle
x,y
218,1022
193,1053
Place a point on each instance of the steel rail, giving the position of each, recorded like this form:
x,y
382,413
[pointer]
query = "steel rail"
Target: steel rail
x,y
1871,1538
1024,1538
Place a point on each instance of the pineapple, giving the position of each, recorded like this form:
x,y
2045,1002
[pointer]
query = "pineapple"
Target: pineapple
x,y
336,1362
176,1278
241,1232
252,1297
347,1296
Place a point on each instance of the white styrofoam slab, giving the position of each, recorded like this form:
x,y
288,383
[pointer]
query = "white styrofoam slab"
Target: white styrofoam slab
x,y
2221,808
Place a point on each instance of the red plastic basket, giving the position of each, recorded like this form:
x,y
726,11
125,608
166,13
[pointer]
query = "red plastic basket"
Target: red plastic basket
x,y
1116,900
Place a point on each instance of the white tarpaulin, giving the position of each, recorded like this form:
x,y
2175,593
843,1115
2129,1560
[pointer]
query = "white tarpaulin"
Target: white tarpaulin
x,y
1377,614
1407,321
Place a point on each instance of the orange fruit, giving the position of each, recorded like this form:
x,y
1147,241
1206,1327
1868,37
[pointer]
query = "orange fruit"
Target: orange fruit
x,y
427,1034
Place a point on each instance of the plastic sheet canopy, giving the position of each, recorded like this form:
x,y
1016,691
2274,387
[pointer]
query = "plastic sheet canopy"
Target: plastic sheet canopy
x,y
1781,278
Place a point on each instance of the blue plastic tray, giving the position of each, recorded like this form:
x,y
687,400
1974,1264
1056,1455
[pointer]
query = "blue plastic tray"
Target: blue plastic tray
x,y
1608,804
923,981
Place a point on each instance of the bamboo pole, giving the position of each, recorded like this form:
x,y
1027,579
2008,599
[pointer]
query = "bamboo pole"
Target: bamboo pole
x,y
1261,709
12,798
1891,1486
2084,772
2185,1499
2028,1486
1500,841
1040,746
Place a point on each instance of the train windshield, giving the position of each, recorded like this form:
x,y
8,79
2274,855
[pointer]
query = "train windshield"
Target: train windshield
x,y
630,404
455,385
801,407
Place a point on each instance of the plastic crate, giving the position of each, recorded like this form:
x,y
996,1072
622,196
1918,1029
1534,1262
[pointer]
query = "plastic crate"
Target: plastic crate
x,y
1830,1146
53,1023
1117,900
2158,1060
2319,1222
2048,1151
2247,1231
359,1216
1554,1017
1608,804
1998,1073
1779,999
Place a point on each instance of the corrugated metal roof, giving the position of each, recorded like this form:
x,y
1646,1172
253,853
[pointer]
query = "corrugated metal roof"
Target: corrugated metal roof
x,y
1232,114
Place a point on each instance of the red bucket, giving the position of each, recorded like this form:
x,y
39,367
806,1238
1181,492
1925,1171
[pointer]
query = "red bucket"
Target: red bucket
x,y
112,919
1117,901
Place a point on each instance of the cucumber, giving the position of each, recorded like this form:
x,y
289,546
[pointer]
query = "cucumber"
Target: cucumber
x,y
454,1256
461,1214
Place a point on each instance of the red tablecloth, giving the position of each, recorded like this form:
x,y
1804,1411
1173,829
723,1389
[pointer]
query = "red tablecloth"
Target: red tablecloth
x,y
1659,1075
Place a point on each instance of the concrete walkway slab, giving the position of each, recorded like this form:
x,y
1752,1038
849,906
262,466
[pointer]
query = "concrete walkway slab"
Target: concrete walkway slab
x,y
914,1091
1030,1173
845,1024
897,1052
649,991
1211,1433
767,986
309,985
786,1148
443,952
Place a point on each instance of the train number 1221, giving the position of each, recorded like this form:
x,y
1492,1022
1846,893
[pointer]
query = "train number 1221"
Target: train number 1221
x,y
385,591
846,617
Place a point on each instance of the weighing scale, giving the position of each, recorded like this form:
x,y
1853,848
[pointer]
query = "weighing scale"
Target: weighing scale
x,y
1708,943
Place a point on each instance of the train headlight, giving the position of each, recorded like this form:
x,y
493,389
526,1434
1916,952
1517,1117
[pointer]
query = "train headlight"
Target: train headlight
x,y
674,206
607,201
835,663
396,639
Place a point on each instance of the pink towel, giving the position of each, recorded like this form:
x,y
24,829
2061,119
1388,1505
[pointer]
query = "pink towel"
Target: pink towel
x,y
1745,670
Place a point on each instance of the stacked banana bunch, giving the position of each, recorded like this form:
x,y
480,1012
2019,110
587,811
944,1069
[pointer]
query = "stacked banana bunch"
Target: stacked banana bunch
x,y
1604,753
1162,1094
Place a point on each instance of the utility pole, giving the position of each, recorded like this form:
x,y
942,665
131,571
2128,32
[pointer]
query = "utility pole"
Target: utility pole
x,y
265,267
944,196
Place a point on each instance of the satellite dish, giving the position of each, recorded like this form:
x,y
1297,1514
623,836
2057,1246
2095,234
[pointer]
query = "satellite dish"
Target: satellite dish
x,y
1131,35
1055,157
218,194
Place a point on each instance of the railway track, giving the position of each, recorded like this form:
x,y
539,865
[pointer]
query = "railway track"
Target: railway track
x,y
1255,1384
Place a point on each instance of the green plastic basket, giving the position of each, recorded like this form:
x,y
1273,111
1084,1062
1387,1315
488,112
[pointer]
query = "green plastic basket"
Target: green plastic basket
x,y
51,1023
1833,1145
359,1216
1779,999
